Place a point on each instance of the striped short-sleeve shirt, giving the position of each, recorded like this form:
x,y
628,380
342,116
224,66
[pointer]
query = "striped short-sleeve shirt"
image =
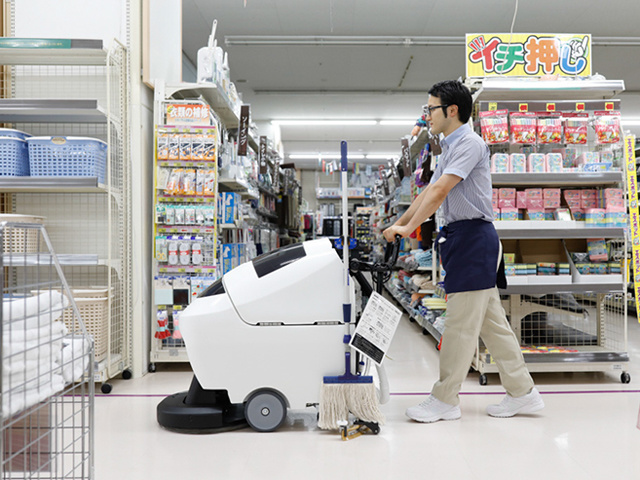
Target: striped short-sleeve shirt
x,y
465,154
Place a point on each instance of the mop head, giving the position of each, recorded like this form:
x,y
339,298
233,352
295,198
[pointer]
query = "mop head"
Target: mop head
x,y
338,399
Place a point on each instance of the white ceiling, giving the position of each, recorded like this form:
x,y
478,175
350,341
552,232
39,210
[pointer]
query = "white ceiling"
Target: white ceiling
x,y
366,82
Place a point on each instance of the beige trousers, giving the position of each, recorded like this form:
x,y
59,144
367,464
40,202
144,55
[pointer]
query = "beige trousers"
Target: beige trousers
x,y
469,315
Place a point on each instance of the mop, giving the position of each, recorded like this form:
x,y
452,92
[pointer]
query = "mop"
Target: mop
x,y
347,393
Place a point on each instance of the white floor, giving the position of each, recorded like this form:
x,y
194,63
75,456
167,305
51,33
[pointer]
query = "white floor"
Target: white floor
x,y
588,430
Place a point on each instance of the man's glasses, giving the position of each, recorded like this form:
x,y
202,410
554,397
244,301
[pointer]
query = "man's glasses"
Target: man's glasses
x,y
428,110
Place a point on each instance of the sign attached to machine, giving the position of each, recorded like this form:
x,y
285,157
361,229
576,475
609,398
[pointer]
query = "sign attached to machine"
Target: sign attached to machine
x,y
528,54
376,328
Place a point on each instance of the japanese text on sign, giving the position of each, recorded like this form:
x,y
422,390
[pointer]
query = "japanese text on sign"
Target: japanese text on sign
x,y
528,54
632,190
187,114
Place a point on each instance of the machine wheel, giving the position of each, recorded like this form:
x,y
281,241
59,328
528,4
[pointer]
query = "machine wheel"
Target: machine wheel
x,y
425,331
625,377
126,374
106,388
483,379
152,368
265,410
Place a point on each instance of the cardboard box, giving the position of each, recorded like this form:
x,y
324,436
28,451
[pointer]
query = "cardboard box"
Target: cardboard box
x,y
229,206
580,245
227,258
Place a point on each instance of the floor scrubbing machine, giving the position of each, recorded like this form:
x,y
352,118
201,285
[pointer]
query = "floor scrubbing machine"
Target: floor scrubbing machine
x,y
261,338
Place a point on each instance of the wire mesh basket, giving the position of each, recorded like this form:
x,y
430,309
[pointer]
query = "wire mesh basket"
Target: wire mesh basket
x,y
14,157
47,388
67,157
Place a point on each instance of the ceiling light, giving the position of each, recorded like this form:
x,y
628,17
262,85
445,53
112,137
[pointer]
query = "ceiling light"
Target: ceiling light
x,y
630,122
324,156
398,122
382,156
324,122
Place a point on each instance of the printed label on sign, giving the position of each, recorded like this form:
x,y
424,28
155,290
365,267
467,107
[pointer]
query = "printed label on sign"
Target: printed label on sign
x,y
376,328
528,54
632,191
187,114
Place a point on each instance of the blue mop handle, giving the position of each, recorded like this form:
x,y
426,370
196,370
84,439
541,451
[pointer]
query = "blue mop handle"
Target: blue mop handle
x,y
346,306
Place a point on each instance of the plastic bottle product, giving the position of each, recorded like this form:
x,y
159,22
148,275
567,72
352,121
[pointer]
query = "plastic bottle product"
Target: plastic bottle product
x,y
226,75
206,59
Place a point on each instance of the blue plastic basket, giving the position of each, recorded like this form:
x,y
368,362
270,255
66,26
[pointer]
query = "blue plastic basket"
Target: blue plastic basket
x,y
67,157
14,157
11,132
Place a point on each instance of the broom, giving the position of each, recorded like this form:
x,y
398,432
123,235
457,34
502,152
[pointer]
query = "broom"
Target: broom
x,y
347,393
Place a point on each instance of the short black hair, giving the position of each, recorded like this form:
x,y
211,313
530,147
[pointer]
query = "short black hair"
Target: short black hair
x,y
452,92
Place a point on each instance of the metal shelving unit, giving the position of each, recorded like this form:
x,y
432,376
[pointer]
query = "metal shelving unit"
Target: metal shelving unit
x,y
582,320
79,92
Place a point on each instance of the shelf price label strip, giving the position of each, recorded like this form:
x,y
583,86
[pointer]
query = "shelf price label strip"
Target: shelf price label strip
x,y
634,217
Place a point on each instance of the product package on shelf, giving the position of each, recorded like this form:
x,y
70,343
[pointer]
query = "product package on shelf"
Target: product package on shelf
x,y
575,128
549,127
494,126
607,125
186,144
500,163
523,127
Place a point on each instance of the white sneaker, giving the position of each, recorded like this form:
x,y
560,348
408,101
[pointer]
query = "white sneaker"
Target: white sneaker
x,y
432,410
510,406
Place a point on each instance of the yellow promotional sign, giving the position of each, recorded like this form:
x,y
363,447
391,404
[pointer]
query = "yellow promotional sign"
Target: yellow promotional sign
x,y
634,217
528,54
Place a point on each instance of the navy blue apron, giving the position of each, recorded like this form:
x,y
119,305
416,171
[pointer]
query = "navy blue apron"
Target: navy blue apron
x,y
469,253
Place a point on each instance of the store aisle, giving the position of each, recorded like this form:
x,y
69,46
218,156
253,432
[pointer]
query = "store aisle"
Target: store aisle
x,y
587,431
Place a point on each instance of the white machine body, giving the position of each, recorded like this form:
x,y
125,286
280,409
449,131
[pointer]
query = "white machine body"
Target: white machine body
x,y
277,325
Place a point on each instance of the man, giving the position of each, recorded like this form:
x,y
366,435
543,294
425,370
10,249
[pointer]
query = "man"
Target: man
x,y
470,251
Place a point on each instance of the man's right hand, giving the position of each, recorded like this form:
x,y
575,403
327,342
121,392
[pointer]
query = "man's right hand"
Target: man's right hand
x,y
391,232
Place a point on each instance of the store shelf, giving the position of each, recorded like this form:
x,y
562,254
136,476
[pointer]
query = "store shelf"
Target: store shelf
x,y
421,140
178,355
35,259
186,163
266,213
267,191
545,288
253,144
564,179
20,110
53,56
214,96
527,90
185,229
51,185
185,199
585,359
185,269
233,185
539,229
